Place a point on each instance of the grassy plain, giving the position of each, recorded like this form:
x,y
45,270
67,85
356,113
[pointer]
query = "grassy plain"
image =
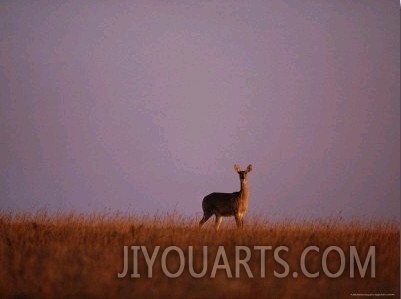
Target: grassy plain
x,y
78,256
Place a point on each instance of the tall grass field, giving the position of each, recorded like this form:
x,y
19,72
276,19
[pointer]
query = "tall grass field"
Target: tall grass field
x,y
74,255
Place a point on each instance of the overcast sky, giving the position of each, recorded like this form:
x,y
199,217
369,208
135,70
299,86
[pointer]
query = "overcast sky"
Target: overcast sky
x,y
145,106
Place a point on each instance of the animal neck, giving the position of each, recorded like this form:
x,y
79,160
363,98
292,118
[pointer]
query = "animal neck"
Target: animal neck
x,y
244,189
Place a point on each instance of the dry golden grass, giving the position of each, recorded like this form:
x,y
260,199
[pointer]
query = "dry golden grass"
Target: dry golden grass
x,y
79,256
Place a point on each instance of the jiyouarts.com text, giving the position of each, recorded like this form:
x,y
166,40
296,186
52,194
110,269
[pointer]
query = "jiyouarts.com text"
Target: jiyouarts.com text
x,y
243,257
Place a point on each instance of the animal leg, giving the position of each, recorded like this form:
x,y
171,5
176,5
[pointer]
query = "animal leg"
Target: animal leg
x,y
204,219
239,221
218,222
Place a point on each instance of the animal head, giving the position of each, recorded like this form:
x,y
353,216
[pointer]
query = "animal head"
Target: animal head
x,y
243,173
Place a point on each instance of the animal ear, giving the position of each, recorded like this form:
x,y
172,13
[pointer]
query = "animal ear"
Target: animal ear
x,y
249,168
236,168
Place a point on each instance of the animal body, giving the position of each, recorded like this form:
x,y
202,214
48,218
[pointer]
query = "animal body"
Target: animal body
x,y
228,204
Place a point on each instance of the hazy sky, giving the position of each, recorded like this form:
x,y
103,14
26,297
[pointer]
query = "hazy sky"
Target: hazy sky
x,y
145,106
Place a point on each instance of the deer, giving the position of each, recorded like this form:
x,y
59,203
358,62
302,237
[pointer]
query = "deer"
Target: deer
x,y
227,204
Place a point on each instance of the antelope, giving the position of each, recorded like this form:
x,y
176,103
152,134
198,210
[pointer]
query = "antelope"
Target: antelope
x,y
227,204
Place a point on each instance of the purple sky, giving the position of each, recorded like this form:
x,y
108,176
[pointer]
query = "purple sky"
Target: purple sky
x,y
146,106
